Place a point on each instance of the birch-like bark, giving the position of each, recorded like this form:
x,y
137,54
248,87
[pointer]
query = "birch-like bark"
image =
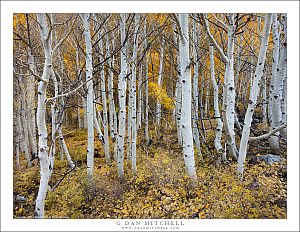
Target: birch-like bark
x,y
90,95
24,124
146,89
111,104
275,87
195,104
283,73
275,58
122,99
45,166
97,127
133,93
65,148
78,114
253,95
84,113
178,97
159,82
264,99
229,87
229,118
140,95
53,122
219,127
104,105
186,123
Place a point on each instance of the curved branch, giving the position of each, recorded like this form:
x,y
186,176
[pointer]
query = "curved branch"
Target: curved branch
x,y
265,136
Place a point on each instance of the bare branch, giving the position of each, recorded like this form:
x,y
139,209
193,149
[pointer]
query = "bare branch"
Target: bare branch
x,y
212,39
265,136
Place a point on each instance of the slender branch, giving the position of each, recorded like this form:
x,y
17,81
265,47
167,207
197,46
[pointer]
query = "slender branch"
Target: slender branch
x,y
220,21
63,39
68,93
265,136
212,39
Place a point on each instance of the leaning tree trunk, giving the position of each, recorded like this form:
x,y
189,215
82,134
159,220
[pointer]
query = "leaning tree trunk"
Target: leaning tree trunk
x,y
45,166
186,123
253,95
90,95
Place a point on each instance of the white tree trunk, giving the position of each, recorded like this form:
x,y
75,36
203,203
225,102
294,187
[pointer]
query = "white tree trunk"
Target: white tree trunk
x,y
122,99
159,82
195,105
65,148
45,166
111,104
283,72
253,95
97,127
140,95
186,123
230,91
146,89
219,128
24,124
90,94
133,92
104,105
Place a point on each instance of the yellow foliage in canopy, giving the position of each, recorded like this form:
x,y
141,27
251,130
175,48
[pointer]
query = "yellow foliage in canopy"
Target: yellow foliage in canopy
x,y
161,96
19,19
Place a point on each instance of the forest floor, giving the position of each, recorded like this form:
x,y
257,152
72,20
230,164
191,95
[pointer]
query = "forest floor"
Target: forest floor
x,y
161,188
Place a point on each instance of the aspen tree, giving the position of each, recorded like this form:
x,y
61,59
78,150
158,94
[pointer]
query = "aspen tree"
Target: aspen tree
x,y
217,115
90,95
283,73
146,88
229,86
274,94
45,166
104,104
195,105
122,83
159,81
253,95
186,124
133,93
